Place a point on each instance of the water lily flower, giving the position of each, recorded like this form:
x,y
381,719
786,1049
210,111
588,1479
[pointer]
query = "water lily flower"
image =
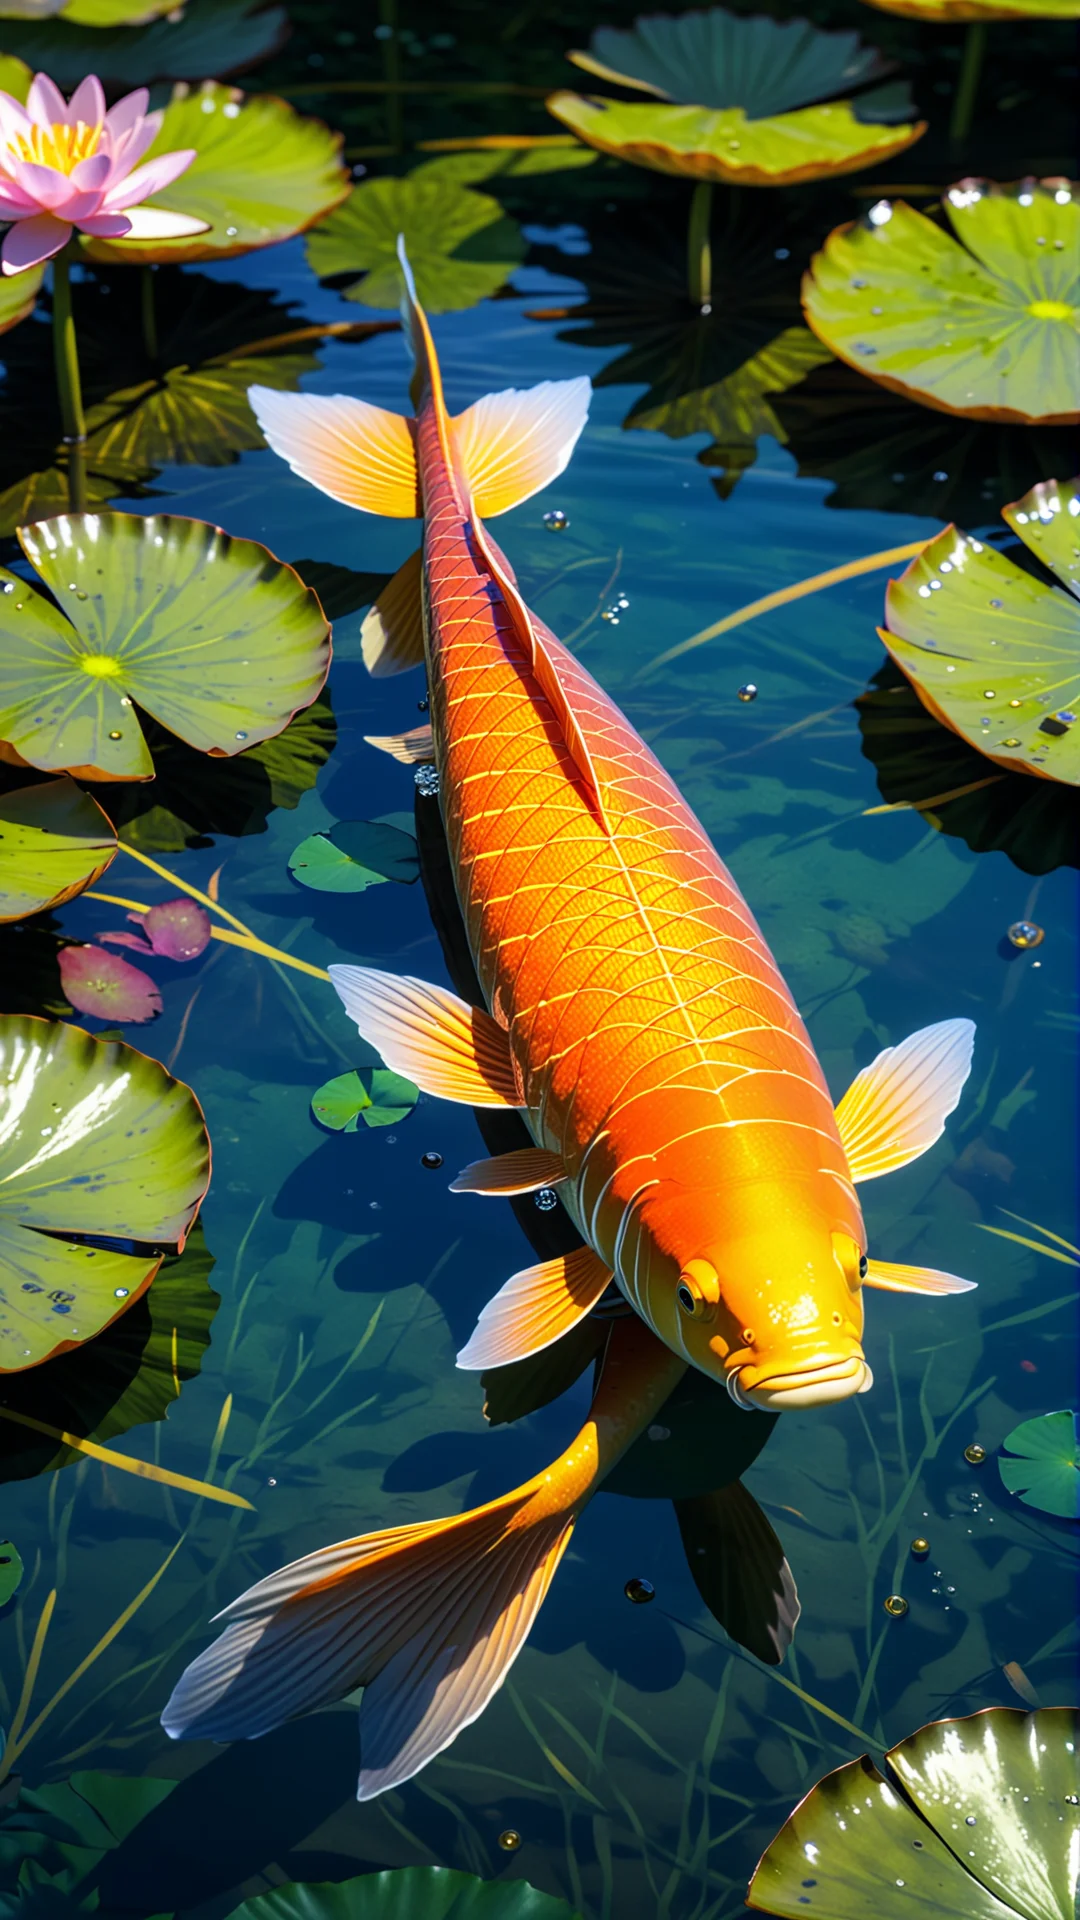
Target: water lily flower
x,y
70,164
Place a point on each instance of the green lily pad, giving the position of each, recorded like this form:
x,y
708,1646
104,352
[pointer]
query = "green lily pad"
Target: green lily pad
x,y
54,841
113,13
972,1817
376,1096
1047,1474
53,1839
100,1141
11,1571
261,174
128,1376
719,60
209,38
422,1893
991,651
18,296
986,324
951,11
461,245
355,855
521,162
212,636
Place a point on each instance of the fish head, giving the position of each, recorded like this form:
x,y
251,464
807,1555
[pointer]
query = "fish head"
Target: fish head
x,y
768,1298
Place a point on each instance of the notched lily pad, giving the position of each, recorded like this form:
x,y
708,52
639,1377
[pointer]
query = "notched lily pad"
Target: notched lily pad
x,y
355,855
376,1096
461,245
977,1817
214,637
54,841
991,651
1047,1473
986,324
97,1141
261,174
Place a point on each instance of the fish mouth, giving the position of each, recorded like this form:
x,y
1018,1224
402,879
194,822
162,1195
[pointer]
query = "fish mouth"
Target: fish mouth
x,y
813,1386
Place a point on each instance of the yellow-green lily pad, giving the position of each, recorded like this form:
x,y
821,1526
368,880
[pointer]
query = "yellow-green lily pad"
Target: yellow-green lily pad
x,y
461,245
1046,1475
986,324
100,1142
949,11
54,841
18,296
214,637
261,174
991,651
975,1817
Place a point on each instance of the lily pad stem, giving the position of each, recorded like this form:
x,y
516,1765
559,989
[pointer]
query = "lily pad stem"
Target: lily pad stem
x,y
699,248
149,316
967,85
68,384
395,105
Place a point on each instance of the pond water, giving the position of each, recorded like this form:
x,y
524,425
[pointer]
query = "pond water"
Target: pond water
x,y
642,1759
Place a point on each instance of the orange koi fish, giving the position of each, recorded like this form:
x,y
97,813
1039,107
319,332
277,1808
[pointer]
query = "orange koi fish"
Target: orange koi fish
x,y
638,1023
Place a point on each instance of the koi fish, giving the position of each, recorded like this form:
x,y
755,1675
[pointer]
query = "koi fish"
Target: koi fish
x,y
638,1023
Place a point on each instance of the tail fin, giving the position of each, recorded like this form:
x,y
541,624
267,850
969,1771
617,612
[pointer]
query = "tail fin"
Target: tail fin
x,y
427,1619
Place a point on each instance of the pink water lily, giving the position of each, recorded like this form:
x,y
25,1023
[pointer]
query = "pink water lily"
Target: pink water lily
x,y
71,164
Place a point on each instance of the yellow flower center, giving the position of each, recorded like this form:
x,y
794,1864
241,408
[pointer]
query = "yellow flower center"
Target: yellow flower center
x,y
1051,310
60,147
101,666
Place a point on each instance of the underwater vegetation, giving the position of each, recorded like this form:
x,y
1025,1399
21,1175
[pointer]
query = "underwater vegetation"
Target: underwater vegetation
x,y
613,841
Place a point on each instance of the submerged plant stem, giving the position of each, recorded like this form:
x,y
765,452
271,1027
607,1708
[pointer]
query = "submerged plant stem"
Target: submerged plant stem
x,y
967,85
699,247
395,104
144,1469
149,316
68,383
239,936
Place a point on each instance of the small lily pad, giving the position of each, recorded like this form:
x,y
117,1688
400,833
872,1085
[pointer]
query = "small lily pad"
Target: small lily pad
x,y
54,841
986,324
99,1142
991,651
209,37
1047,1473
951,11
887,1843
102,984
178,929
355,855
213,636
376,1096
261,174
421,1893
461,245
11,1571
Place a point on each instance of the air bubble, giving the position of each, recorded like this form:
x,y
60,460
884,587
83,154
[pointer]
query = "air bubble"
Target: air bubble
x,y
556,521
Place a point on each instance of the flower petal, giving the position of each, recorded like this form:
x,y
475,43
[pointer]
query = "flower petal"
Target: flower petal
x,y
106,226
156,223
29,242
148,179
46,187
128,148
132,108
92,174
13,117
14,201
45,103
87,103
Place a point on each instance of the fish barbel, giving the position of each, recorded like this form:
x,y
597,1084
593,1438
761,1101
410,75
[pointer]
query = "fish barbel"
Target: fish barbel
x,y
637,1021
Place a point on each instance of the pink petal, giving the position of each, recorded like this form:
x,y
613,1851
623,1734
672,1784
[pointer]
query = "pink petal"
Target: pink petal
x,y
79,207
29,242
92,174
87,103
13,117
121,118
148,179
127,940
45,103
106,226
46,187
101,983
13,200
129,148
179,929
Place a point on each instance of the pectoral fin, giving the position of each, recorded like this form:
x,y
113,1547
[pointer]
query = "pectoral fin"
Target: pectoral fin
x,y
513,443
392,634
446,1047
413,749
535,1308
355,452
897,1106
740,1570
506,1173
902,1279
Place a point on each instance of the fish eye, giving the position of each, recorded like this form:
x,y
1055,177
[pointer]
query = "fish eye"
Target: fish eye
x,y
864,1266
689,1302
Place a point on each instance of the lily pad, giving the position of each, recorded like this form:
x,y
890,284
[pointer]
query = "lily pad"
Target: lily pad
x,y
178,929
950,11
991,651
129,1376
718,59
355,855
261,174
213,636
461,245
54,841
423,1893
111,989
18,296
11,1571
102,1143
53,1839
376,1096
208,38
986,324
504,160
1047,1474
975,1817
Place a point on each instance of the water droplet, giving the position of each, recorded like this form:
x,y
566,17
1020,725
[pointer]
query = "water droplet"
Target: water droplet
x,y
431,1160
121,1293
974,1455
940,475
231,232
81,594
896,1605
989,694
733,146
546,1199
920,1548
116,734
231,111
661,1433
782,253
748,692
1016,703
1025,933
556,521
509,1839
271,1482
426,782
640,1592
241,736
422,706
971,1821
1011,742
